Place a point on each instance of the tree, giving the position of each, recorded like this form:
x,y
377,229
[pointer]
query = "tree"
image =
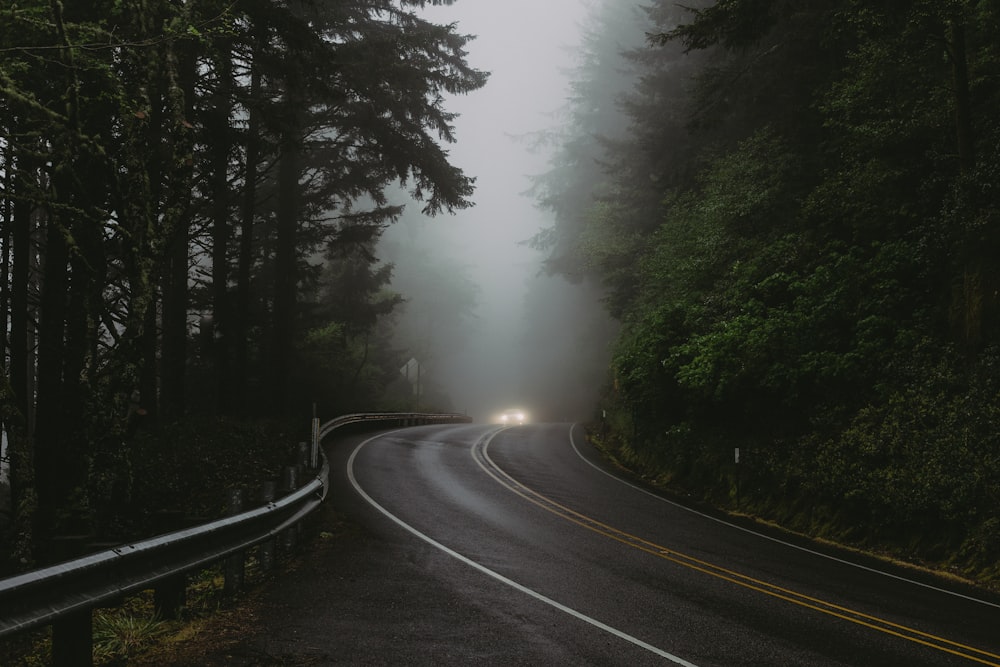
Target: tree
x,y
819,270
171,160
378,122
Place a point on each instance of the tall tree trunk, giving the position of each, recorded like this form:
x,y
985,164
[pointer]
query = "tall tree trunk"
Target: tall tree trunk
x,y
22,365
285,255
21,271
61,442
173,352
6,235
175,280
54,479
975,297
963,98
149,337
241,323
220,133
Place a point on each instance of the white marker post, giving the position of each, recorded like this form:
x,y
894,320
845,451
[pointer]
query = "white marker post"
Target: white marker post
x,y
736,456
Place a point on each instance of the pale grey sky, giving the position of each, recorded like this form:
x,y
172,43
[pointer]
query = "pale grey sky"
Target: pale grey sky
x,y
528,47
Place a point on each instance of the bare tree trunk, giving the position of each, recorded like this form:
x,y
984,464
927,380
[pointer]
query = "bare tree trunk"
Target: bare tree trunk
x,y
5,239
285,256
20,446
241,324
53,479
173,401
219,129
963,97
21,270
975,296
6,236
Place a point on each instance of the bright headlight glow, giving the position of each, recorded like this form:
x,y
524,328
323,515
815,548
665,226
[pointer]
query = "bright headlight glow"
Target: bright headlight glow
x,y
512,416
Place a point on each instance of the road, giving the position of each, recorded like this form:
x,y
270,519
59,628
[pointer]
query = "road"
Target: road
x,y
518,545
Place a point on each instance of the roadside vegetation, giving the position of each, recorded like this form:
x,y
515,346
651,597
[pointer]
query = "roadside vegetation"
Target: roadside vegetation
x,y
190,199
132,634
798,236
182,476
191,195
791,208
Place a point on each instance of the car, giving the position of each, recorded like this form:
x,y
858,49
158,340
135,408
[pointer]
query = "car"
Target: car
x,y
513,416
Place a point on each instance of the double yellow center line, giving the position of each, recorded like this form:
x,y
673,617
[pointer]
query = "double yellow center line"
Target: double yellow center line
x,y
481,455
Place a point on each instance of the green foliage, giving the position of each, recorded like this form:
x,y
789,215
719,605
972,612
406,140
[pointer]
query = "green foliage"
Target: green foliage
x,y
188,467
819,287
923,464
339,374
136,200
608,247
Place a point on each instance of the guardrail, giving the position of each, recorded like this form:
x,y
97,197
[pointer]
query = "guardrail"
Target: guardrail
x,y
71,590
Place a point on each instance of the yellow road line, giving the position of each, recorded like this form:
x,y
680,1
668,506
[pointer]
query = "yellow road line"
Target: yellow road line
x,y
481,455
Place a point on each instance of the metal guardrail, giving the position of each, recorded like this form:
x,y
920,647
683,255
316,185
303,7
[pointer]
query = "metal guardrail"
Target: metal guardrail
x,y
393,418
42,597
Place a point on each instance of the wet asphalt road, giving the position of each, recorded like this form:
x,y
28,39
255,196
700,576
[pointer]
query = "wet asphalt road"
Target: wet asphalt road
x,y
517,546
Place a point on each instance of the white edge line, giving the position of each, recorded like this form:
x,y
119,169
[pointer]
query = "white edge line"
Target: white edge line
x,y
496,575
883,573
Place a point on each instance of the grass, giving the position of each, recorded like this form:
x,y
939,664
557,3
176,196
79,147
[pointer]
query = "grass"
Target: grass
x,y
131,631
120,635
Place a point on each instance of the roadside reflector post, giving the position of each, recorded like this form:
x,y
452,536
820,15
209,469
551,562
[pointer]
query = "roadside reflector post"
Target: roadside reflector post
x,y
736,457
314,445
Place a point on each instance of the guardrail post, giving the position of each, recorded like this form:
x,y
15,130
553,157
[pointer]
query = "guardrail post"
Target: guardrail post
x,y
265,552
72,635
104,583
73,640
170,594
291,483
235,567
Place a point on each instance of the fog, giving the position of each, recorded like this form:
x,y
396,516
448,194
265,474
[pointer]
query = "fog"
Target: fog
x,y
495,357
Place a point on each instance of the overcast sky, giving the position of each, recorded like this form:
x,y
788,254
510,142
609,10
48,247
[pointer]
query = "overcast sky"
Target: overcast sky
x,y
528,47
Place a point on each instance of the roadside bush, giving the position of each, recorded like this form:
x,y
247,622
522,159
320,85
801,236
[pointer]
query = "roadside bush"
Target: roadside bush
x,y
189,467
119,636
923,468
915,471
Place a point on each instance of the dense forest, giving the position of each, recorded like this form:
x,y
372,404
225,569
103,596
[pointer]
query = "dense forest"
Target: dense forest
x,y
792,209
191,196
789,207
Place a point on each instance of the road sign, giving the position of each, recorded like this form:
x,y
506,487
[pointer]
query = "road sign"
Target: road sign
x,y
412,370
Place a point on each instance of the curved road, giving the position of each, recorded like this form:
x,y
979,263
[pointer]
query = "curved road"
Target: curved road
x,y
518,546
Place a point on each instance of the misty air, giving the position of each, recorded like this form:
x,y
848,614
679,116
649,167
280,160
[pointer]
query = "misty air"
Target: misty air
x,y
423,332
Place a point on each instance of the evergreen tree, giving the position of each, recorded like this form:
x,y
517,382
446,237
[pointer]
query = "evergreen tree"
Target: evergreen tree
x,y
169,160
